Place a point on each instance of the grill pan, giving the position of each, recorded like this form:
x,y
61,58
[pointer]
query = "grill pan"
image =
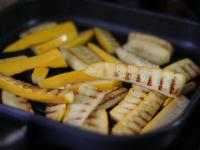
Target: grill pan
x,y
183,34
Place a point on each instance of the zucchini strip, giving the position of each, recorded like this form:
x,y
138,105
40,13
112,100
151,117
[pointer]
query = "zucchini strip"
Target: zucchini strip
x,y
149,51
51,44
150,38
102,54
112,98
51,59
83,38
165,82
86,101
97,122
106,40
185,66
73,61
16,101
64,78
139,117
37,28
34,93
168,114
189,87
130,58
85,54
39,74
66,28
55,112
135,96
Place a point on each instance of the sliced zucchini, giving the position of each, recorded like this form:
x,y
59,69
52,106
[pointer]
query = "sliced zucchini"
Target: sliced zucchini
x,y
112,98
85,54
39,27
102,54
168,114
131,58
189,87
35,93
150,38
86,101
73,61
185,66
97,122
168,83
16,101
135,96
39,74
55,112
66,28
139,117
149,51
106,40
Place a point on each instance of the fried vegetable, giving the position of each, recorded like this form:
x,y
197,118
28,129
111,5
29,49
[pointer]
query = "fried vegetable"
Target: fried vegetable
x,y
97,122
34,93
139,117
85,54
135,96
112,98
64,78
66,28
189,87
86,101
102,54
55,112
39,74
12,59
131,58
165,82
150,38
37,28
167,101
73,61
46,46
106,40
16,101
168,114
149,51
51,59
185,66
80,40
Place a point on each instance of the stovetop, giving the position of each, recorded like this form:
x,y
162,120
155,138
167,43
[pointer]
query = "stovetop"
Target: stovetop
x,y
190,135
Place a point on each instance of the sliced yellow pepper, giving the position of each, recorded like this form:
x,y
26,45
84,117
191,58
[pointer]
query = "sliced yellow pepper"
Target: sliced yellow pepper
x,y
46,46
102,54
39,74
12,59
64,78
51,59
80,40
34,93
66,28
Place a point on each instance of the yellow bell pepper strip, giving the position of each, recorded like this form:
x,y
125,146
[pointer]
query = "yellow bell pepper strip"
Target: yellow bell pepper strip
x,y
15,101
51,59
11,59
39,74
46,46
36,28
34,93
106,40
55,112
64,78
66,28
102,54
80,40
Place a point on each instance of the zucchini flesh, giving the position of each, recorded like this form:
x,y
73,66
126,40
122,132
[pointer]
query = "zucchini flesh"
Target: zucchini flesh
x,y
135,96
86,101
39,74
168,83
97,122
